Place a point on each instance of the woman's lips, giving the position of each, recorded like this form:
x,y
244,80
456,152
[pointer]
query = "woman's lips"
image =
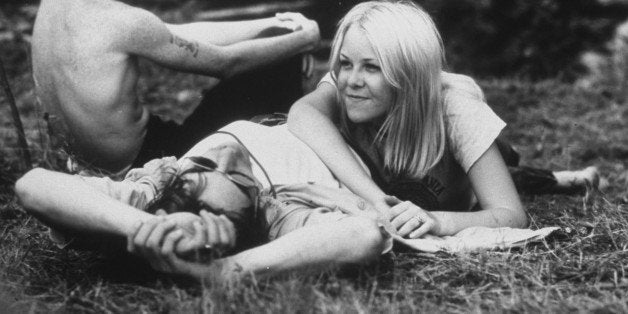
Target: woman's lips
x,y
356,97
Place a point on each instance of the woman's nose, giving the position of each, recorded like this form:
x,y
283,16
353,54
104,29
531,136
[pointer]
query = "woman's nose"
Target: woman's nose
x,y
355,78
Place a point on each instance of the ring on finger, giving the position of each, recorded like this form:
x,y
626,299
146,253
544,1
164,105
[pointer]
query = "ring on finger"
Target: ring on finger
x,y
208,246
418,219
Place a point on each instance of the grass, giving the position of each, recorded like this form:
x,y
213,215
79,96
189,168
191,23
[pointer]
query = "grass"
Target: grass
x,y
582,268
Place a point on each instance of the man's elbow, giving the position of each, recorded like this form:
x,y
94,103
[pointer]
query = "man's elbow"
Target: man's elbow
x,y
28,186
229,64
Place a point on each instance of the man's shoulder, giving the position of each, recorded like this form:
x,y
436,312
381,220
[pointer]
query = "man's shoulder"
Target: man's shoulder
x,y
108,21
95,23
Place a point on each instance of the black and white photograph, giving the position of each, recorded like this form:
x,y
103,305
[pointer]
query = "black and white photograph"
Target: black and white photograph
x,y
313,156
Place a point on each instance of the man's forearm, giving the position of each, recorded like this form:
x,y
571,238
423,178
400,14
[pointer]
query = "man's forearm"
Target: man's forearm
x,y
67,202
254,53
224,33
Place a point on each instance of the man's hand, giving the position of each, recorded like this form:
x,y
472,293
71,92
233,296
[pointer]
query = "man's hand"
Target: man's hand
x,y
209,232
216,233
298,22
155,240
411,220
186,222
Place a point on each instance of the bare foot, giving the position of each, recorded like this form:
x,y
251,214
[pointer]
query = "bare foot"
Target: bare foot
x,y
579,180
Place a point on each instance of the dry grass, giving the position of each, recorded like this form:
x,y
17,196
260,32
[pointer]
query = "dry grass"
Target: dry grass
x,y
583,268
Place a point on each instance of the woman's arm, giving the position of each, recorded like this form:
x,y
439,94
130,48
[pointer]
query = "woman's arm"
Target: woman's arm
x,y
311,120
498,199
496,195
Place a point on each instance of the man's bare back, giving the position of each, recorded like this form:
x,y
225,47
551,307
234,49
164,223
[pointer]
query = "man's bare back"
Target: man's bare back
x,y
85,66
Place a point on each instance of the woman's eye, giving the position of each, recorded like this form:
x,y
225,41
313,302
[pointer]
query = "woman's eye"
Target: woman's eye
x,y
371,67
345,64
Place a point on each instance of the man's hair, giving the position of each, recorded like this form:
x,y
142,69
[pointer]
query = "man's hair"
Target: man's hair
x,y
174,198
410,52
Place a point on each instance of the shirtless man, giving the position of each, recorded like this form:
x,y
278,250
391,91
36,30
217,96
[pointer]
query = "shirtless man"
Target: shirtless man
x,y
85,66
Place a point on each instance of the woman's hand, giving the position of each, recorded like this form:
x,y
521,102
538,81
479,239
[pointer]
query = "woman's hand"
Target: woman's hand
x,y
411,220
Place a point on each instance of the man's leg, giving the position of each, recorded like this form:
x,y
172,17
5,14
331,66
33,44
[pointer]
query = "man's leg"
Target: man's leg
x,y
263,91
268,90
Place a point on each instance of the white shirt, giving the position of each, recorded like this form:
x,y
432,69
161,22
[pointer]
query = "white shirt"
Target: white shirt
x,y
286,159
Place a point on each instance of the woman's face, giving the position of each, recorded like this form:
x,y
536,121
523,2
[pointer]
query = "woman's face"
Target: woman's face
x,y
365,92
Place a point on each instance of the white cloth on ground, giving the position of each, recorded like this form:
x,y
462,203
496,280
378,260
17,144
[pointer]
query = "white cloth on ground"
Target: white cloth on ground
x,y
476,239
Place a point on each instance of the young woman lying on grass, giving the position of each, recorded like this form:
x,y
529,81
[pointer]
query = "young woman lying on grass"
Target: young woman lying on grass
x,y
427,135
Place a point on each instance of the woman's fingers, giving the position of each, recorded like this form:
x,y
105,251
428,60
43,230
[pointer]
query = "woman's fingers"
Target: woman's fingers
x,y
401,214
401,208
423,229
411,220
411,224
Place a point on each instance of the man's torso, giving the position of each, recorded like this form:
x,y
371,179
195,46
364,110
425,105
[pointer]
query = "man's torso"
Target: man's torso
x,y
84,84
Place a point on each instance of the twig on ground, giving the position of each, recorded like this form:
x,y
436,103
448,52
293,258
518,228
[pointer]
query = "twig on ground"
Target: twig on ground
x,y
16,119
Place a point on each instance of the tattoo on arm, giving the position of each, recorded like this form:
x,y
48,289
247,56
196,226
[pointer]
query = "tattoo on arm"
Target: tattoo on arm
x,y
190,46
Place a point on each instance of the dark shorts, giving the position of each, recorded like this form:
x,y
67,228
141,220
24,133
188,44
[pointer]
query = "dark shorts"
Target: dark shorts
x,y
263,91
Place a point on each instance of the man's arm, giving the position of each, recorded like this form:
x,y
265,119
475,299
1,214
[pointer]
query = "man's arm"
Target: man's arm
x,y
69,203
66,202
147,36
227,33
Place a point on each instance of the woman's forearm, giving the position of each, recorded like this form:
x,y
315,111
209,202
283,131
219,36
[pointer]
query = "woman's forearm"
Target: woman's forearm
x,y
317,130
450,223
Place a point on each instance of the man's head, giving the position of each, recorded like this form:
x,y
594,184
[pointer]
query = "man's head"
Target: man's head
x,y
220,181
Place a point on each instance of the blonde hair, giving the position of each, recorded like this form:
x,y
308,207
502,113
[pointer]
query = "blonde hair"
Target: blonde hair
x,y
410,52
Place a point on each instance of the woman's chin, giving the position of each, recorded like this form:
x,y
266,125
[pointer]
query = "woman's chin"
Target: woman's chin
x,y
357,118
362,119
